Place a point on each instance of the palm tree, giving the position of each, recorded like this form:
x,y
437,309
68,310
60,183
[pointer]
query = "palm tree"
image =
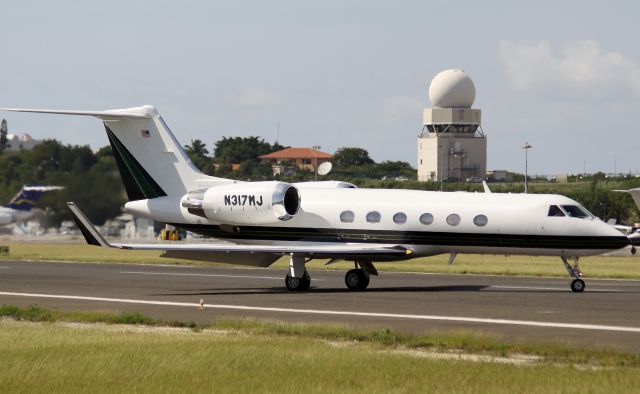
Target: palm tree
x,y
197,148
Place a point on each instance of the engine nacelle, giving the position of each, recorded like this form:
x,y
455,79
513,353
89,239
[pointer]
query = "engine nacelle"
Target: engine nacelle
x,y
324,185
6,219
245,203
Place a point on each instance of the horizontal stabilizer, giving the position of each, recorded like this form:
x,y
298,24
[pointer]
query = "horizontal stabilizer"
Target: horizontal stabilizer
x,y
110,114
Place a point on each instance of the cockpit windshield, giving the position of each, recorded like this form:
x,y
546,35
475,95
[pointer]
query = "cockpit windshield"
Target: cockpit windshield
x,y
577,211
554,210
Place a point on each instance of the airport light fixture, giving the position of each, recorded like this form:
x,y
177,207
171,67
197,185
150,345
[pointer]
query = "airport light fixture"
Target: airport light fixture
x,y
315,164
526,148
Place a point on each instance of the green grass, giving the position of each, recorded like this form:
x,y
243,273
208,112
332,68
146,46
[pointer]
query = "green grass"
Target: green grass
x,y
594,267
258,356
457,340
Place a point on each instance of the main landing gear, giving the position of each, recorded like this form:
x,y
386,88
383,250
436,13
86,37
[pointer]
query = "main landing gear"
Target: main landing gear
x,y
298,279
577,285
298,284
358,278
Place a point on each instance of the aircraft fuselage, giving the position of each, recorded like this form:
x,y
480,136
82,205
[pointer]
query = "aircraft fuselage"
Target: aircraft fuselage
x,y
428,222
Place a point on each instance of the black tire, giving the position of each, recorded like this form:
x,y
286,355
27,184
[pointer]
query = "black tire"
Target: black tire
x,y
633,250
306,282
297,284
355,279
577,286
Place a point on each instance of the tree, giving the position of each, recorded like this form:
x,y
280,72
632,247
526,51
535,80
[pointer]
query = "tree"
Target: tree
x,y
199,155
350,156
239,149
4,130
197,148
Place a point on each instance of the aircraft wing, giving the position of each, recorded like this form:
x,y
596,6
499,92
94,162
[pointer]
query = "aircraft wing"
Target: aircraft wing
x,y
215,252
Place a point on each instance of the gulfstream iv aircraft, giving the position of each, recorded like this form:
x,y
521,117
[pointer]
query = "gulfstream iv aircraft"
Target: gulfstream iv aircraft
x,y
329,220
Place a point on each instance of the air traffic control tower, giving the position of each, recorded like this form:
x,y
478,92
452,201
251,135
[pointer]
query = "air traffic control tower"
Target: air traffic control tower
x,y
451,145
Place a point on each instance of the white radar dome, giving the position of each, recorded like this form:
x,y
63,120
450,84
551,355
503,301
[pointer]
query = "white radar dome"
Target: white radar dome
x,y
452,89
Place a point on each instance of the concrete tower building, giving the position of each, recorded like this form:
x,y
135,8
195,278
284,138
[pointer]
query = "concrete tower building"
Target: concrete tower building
x,y
451,145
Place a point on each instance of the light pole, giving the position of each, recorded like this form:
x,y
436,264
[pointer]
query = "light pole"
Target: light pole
x,y
526,148
615,162
315,165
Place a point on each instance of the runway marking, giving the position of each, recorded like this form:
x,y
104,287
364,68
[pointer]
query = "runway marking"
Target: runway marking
x,y
208,275
338,313
564,289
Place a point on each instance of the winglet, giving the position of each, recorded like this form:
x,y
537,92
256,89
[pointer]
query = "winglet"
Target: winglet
x,y
90,233
635,194
486,187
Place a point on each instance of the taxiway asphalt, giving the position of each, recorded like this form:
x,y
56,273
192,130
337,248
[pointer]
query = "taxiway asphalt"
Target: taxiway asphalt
x,y
607,313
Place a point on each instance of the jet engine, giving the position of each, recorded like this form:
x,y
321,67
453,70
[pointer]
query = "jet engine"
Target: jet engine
x,y
6,219
245,203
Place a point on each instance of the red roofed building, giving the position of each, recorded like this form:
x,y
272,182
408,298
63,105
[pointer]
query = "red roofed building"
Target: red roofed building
x,y
290,160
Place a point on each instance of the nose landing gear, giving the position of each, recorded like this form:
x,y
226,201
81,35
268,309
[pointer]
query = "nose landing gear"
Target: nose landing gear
x,y
577,285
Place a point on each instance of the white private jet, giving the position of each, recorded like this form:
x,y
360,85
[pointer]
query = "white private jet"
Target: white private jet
x,y
329,220
20,208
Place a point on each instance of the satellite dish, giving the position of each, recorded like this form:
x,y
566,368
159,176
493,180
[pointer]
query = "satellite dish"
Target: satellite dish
x,y
325,168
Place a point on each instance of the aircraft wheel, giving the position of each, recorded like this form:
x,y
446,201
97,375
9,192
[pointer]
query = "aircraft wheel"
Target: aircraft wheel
x,y
577,286
633,250
356,279
297,284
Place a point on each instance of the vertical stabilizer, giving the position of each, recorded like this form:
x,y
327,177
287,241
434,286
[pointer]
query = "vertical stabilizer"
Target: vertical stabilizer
x,y
27,197
635,194
151,161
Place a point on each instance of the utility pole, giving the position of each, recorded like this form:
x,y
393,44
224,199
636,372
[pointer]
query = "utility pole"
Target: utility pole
x,y
315,165
526,148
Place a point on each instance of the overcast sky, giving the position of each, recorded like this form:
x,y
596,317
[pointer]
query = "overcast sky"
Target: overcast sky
x,y
562,75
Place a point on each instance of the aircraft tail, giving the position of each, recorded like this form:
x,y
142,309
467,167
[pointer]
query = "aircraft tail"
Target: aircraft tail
x,y
151,161
27,197
635,194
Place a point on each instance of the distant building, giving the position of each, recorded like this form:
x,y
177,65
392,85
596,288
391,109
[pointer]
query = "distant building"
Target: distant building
x,y
21,142
452,145
498,176
290,160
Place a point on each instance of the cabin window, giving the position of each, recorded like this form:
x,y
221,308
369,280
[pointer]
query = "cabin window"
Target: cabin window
x,y
373,217
480,220
576,211
347,217
426,218
399,218
453,219
555,211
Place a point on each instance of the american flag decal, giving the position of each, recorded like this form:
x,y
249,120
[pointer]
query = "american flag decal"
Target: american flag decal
x,y
145,133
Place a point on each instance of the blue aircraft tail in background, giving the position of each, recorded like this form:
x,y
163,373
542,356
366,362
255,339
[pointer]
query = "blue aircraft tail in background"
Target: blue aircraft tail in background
x,y
26,199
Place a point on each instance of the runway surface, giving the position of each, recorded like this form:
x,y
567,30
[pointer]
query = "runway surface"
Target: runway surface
x,y
607,313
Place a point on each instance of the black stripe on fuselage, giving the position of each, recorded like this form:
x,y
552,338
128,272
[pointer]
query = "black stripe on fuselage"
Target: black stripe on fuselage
x,y
409,237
